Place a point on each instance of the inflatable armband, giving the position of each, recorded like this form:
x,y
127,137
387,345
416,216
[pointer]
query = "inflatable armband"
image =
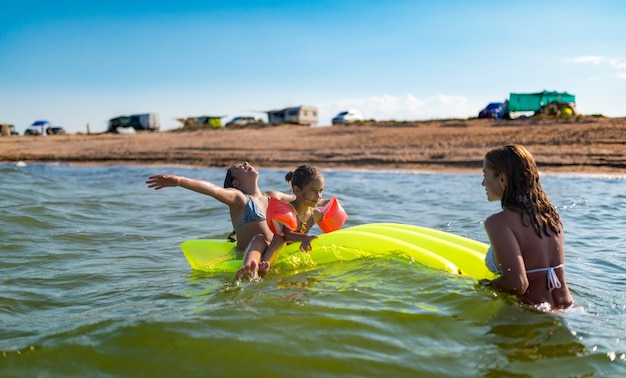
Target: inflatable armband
x,y
334,216
280,214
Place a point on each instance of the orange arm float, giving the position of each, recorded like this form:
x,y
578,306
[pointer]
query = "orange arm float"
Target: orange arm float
x,y
280,214
334,216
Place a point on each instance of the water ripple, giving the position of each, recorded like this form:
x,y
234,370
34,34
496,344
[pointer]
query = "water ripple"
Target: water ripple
x,y
93,275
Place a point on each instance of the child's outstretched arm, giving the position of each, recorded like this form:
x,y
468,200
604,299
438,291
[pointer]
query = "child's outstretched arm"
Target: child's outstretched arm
x,y
227,196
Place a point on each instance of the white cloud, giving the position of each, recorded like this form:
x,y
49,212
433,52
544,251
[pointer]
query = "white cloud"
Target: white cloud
x,y
586,59
615,63
597,60
610,63
400,108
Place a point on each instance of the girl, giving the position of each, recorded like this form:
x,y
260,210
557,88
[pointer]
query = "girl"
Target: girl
x,y
527,244
242,195
297,218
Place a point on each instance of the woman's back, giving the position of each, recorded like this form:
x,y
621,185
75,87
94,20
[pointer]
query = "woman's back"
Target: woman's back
x,y
541,255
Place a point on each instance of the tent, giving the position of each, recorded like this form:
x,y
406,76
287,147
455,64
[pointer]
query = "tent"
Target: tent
x,y
525,102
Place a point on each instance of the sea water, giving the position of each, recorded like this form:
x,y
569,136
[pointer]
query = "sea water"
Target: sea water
x,y
93,283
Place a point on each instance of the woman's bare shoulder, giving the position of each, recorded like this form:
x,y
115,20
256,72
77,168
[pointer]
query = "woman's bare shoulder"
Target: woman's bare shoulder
x,y
502,219
505,214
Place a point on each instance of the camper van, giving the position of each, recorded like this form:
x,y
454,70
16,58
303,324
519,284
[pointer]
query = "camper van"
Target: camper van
x,y
146,121
299,115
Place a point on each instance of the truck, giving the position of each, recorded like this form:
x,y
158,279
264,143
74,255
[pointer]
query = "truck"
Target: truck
x,y
534,102
538,102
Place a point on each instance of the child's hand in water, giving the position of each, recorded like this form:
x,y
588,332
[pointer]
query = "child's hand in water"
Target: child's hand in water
x,y
305,246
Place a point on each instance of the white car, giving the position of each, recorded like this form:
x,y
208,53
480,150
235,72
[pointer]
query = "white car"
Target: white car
x,y
241,121
348,116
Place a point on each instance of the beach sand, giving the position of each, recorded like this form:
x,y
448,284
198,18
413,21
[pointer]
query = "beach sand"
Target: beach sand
x,y
577,144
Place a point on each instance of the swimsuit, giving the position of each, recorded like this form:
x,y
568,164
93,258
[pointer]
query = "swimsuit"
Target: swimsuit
x,y
553,280
252,213
303,225
281,214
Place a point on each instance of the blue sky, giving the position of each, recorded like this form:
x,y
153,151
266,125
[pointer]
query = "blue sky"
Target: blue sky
x,y
78,62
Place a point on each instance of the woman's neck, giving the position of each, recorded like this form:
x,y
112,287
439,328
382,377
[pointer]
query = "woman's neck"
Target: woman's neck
x,y
251,190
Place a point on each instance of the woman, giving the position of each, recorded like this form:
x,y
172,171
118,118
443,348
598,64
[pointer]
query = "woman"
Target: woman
x,y
242,195
527,244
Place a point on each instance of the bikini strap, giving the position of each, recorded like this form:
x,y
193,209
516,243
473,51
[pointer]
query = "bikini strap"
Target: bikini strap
x,y
553,279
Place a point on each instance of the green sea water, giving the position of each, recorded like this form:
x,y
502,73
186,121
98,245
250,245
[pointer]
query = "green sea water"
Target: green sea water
x,y
94,284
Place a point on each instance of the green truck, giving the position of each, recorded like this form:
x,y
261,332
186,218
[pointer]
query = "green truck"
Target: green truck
x,y
534,102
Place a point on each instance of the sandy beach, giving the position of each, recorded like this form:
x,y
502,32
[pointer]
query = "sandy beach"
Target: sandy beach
x,y
577,144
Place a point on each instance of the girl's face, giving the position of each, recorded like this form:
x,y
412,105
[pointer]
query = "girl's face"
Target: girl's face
x,y
311,193
494,184
241,171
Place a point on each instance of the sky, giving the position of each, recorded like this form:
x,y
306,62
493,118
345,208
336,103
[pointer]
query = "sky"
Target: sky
x,y
75,63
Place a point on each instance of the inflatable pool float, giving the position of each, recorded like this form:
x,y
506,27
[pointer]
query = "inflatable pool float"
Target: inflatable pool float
x,y
433,248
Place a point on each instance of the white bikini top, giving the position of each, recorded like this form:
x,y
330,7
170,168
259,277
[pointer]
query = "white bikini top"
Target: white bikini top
x,y
553,279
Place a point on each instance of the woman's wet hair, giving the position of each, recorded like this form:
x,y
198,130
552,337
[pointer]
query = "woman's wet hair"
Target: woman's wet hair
x,y
523,190
303,175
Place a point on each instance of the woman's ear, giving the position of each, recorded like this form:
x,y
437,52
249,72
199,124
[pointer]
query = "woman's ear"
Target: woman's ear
x,y
503,180
235,183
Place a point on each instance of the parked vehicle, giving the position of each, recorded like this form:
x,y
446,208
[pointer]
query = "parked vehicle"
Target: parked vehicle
x,y
298,115
347,116
493,110
201,122
146,121
55,130
241,121
533,102
37,128
32,131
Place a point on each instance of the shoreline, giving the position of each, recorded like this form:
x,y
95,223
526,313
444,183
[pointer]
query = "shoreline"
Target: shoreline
x,y
577,145
550,170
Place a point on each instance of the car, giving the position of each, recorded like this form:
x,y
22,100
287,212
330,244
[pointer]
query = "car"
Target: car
x,y
37,128
347,116
493,110
33,131
241,121
55,130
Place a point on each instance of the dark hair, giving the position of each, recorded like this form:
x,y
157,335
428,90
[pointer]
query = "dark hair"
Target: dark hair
x,y
523,190
303,175
228,180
